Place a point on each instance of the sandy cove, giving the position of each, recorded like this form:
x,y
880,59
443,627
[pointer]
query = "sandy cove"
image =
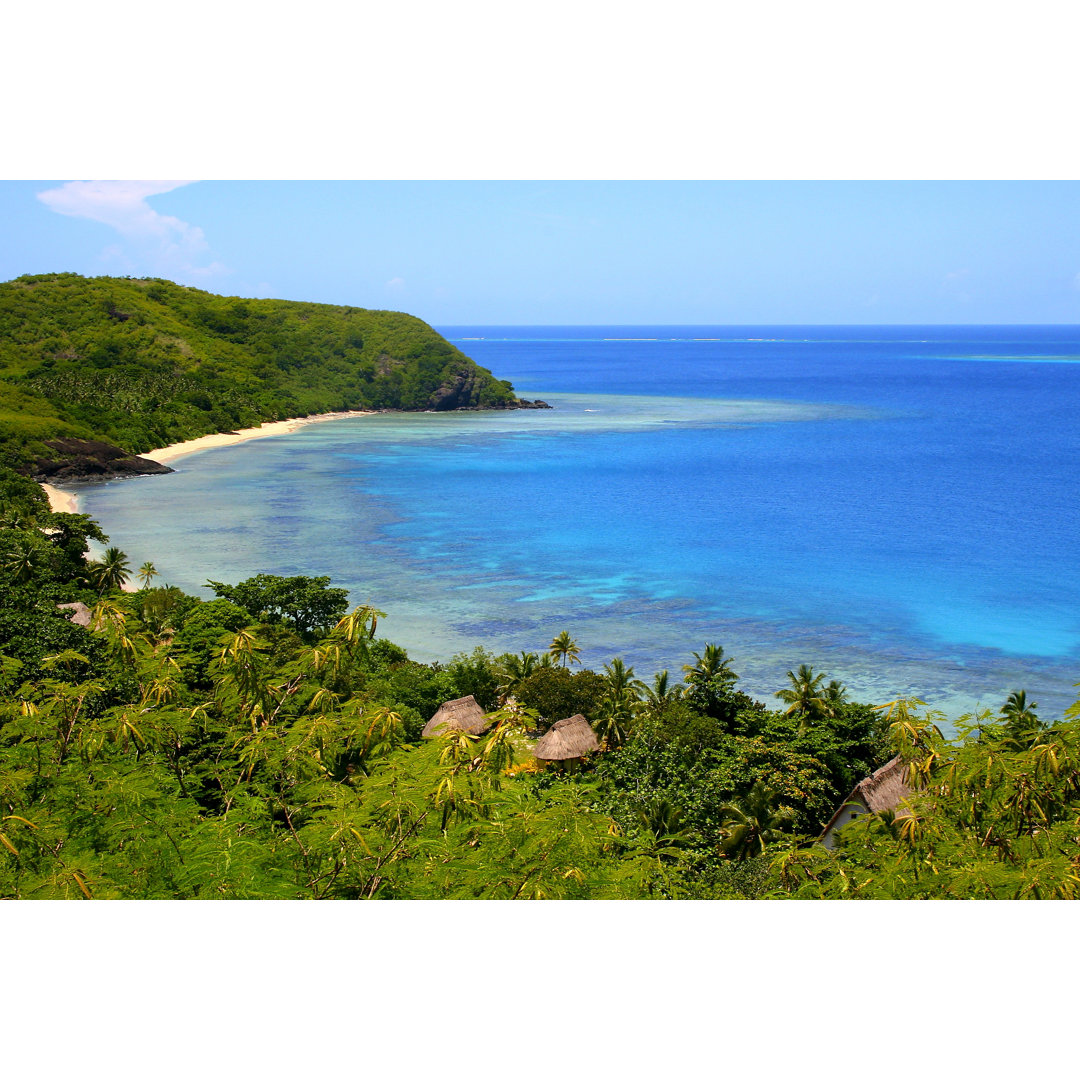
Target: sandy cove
x,y
67,502
168,454
61,502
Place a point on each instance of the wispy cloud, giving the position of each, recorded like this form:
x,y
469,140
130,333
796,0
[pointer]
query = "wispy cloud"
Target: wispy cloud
x,y
152,242
396,283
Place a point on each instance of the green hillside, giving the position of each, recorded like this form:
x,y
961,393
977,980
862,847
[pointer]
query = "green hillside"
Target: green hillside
x,y
144,363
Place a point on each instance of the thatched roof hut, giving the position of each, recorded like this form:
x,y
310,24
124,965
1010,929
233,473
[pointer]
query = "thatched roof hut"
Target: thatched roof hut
x,y
461,714
884,789
569,738
80,613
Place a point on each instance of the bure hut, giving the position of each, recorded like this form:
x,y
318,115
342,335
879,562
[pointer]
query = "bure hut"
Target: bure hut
x,y
461,714
567,740
884,789
80,613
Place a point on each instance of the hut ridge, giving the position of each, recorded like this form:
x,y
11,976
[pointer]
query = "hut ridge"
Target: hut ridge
x,y
80,613
884,789
461,714
569,738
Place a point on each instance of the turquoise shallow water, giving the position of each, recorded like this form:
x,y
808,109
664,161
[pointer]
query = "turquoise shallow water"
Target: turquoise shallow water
x,y
852,498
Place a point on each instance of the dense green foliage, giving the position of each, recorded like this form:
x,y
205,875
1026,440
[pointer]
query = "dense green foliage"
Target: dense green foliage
x,y
306,603
143,363
996,816
265,744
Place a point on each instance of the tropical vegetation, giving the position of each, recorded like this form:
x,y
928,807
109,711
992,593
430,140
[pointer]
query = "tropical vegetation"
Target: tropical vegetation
x,y
267,743
142,363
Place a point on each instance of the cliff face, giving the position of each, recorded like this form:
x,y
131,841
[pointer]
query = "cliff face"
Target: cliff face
x,y
136,364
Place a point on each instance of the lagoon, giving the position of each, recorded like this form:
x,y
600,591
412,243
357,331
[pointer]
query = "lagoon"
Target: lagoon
x,y
896,506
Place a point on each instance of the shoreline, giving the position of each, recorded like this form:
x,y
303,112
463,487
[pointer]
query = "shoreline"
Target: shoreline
x,y
166,454
61,502
67,502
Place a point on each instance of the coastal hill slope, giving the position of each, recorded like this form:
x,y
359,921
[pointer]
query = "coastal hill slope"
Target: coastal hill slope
x,y
141,363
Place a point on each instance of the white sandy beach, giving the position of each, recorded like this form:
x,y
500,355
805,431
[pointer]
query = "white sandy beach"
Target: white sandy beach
x,y
61,502
67,502
274,427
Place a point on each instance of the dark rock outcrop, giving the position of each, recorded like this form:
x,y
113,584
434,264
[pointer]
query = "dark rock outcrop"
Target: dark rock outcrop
x,y
462,392
83,459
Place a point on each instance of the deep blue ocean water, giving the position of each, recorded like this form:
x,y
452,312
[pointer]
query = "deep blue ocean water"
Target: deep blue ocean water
x,y
896,506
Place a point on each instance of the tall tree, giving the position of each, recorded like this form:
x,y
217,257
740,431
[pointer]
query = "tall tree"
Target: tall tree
x,y
513,670
146,573
1022,724
112,572
834,695
805,697
621,701
563,647
306,602
752,822
661,692
709,667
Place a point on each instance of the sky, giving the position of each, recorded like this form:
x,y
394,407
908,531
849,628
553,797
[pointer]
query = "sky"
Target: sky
x,y
505,252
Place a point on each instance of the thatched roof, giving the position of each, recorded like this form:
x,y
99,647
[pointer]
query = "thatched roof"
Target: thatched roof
x,y
461,714
80,613
569,738
884,789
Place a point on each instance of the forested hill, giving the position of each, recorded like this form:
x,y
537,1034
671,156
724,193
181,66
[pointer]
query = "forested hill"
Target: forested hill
x,y
142,363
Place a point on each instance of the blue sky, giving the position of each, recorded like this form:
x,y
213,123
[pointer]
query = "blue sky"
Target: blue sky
x,y
581,251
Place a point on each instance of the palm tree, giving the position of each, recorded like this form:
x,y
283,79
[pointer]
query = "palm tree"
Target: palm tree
x,y
748,824
621,701
661,692
514,670
621,681
158,614
146,573
708,666
1018,712
806,698
112,571
563,647
613,721
666,832
834,695
1022,725
22,560
13,517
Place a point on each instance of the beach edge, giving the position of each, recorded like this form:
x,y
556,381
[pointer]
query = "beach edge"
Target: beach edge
x,y
67,502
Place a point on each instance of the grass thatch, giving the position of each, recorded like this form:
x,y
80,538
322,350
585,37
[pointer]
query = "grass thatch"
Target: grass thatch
x,y
884,789
80,613
569,738
461,714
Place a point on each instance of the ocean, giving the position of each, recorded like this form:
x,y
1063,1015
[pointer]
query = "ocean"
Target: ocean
x,y
896,506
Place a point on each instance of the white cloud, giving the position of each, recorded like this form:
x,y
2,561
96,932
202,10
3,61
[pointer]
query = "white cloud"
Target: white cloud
x,y
153,242
396,283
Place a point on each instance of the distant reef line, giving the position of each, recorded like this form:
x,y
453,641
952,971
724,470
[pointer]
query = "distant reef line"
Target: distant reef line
x,y
99,375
